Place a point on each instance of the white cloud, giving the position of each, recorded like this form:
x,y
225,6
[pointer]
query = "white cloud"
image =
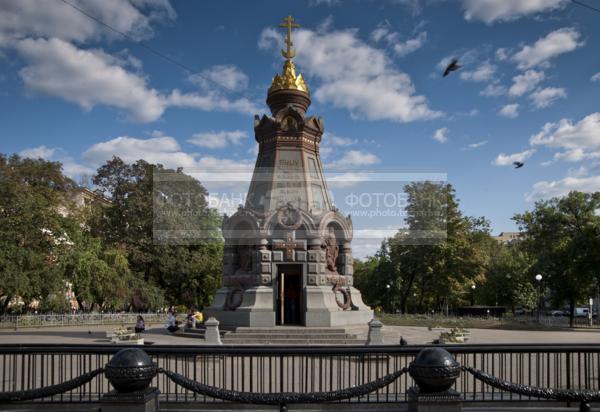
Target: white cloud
x,y
335,140
576,155
325,151
218,175
482,73
86,77
380,33
50,42
581,171
493,90
91,77
344,180
542,98
353,158
566,134
476,145
393,39
596,77
441,135
354,75
558,188
415,7
525,82
213,172
38,152
554,44
504,159
502,54
228,76
218,140
69,166
29,18
490,11
510,110
162,149
329,3
402,48
211,101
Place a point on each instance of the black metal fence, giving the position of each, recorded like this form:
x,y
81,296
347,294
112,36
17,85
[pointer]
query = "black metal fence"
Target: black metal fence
x,y
302,369
77,319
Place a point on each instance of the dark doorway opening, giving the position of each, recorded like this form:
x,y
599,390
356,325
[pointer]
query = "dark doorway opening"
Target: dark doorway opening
x,y
289,295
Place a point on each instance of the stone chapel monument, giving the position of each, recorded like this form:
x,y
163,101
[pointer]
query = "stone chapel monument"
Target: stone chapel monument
x,y
288,255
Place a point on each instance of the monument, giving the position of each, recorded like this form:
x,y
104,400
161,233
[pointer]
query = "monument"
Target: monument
x,y
288,255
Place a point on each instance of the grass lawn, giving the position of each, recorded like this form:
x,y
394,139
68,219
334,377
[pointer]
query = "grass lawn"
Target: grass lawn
x,y
439,321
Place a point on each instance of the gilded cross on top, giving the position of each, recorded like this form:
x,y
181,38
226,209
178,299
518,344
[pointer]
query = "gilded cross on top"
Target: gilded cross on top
x,y
289,24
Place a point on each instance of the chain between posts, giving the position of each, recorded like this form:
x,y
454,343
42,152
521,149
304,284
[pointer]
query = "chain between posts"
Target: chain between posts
x,y
584,397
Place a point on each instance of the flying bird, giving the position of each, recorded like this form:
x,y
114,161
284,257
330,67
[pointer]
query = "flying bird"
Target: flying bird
x,y
452,67
518,165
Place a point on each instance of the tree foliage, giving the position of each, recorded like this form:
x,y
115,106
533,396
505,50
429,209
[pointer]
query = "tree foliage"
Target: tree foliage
x,y
153,211
563,234
108,253
509,278
32,229
431,263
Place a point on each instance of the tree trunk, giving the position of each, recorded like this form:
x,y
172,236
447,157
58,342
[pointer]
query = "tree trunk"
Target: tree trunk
x,y
405,296
571,313
80,304
5,304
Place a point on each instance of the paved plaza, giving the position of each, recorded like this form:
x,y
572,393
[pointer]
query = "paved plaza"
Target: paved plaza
x,y
414,335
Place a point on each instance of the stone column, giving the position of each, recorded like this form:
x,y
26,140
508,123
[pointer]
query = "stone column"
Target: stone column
x,y
130,372
375,336
346,268
212,335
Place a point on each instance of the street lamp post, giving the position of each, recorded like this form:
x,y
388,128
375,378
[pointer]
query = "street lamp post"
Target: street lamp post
x,y
388,287
538,278
473,287
415,302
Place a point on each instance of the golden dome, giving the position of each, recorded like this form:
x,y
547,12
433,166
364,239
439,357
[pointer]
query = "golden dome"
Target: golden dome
x,y
288,79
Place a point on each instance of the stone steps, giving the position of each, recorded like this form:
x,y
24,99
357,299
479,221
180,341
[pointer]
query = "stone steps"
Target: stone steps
x,y
267,336
282,336
300,330
292,342
291,336
196,333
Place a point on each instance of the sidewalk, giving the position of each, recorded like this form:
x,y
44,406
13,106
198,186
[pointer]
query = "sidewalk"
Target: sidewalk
x,y
157,334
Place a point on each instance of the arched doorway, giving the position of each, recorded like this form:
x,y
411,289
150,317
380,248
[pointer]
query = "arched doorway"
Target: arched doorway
x,y
289,304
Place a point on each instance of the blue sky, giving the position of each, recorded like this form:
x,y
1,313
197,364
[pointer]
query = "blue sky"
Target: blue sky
x,y
74,91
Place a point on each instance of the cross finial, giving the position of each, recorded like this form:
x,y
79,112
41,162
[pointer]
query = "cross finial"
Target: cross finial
x,y
289,24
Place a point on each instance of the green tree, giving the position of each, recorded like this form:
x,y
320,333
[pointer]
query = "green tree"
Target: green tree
x,y
432,262
435,268
160,218
32,228
99,277
367,280
563,235
509,278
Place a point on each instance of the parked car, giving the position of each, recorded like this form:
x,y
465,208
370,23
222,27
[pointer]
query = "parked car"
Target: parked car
x,y
557,313
582,312
519,311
